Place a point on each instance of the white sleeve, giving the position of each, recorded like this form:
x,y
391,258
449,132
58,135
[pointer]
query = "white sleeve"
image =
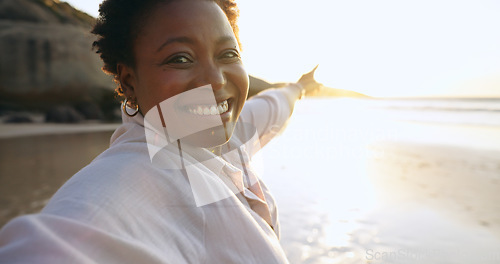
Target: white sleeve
x,y
268,112
52,239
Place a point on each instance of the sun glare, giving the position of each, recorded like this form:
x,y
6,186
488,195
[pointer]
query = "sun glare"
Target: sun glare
x,y
381,48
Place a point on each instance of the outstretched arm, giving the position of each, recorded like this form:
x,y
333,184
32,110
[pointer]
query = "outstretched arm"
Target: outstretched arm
x,y
305,86
270,110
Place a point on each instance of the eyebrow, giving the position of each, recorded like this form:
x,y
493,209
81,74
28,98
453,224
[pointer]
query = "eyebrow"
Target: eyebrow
x,y
224,39
174,40
187,40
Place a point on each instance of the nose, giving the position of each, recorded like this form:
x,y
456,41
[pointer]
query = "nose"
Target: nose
x,y
214,75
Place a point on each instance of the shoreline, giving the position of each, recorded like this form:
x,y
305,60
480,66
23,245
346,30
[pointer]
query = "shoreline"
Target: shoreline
x,y
42,129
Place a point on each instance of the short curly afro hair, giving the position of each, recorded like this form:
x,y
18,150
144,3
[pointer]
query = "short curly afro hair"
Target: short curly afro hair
x,y
120,22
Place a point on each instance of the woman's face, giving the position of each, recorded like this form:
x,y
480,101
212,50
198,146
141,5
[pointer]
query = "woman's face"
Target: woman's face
x,y
185,45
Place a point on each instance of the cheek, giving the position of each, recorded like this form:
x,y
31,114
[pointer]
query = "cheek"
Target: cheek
x,y
159,86
240,79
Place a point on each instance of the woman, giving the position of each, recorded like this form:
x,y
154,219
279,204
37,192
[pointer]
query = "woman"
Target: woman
x,y
176,185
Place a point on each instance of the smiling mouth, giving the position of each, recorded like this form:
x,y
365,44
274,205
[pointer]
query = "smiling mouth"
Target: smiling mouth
x,y
209,110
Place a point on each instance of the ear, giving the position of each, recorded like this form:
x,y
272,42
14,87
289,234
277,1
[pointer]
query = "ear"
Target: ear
x,y
127,79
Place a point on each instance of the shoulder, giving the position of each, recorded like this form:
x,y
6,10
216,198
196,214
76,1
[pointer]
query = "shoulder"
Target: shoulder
x,y
126,196
119,183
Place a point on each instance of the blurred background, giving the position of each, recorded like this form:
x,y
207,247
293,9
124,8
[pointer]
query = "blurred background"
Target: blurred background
x,y
397,160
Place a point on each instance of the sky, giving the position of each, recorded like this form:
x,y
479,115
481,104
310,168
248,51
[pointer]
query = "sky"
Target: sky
x,y
384,48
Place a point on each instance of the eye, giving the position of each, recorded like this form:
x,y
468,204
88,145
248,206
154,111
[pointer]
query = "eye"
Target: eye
x,y
180,60
230,56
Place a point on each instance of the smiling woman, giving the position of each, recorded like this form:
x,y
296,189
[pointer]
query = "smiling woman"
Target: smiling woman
x,y
170,59
176,184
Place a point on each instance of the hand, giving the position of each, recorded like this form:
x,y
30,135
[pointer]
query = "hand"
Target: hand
x,y
308,82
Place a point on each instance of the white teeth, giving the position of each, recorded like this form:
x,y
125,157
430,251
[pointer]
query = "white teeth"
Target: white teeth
x,y
209,109
213,110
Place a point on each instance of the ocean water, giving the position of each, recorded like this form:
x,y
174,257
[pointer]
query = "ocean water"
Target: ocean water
x,y
469,122
388,181
464,111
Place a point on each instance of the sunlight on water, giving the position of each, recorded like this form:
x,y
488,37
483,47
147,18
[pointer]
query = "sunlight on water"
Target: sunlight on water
x,y
345,195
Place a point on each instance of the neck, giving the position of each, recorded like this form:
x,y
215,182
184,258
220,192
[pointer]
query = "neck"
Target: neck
x,y
216,150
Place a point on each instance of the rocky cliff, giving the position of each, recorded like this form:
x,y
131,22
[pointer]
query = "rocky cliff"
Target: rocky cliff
x,y
46,56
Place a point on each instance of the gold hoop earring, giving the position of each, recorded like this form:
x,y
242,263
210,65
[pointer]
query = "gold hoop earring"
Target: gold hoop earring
x,y
124,108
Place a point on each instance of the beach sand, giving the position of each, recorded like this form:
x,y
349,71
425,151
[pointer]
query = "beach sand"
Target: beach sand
x,y
407,204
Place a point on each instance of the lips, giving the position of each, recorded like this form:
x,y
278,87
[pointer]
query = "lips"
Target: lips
x,y
208,110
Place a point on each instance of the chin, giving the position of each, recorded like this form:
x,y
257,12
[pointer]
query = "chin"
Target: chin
x,y
210,138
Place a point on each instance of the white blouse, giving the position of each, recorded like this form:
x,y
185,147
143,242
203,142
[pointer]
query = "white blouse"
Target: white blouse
x,y
125,208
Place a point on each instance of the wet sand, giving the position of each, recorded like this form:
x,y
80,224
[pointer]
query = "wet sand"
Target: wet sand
x,y
409,204
35,160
